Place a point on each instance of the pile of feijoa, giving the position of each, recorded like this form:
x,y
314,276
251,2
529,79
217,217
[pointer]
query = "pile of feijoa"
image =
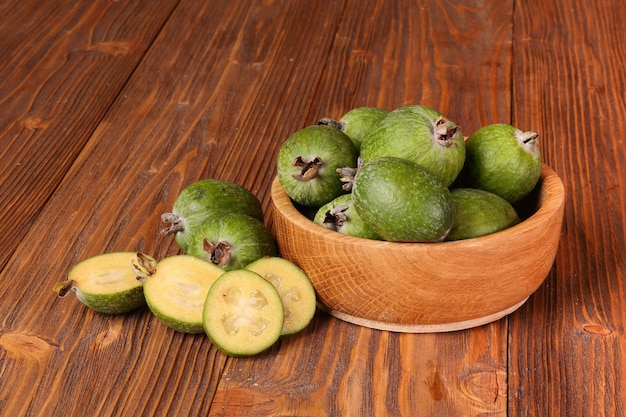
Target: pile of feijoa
x,y
229,283
409,174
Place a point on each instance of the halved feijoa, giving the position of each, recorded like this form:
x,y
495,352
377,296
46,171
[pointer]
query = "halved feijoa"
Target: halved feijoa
x,y
105,283
204,200
307,164
243,313
295,289
480,213
176,288
232,241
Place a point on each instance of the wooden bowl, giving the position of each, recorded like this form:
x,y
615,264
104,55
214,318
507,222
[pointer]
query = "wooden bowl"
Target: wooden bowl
x,y
425,287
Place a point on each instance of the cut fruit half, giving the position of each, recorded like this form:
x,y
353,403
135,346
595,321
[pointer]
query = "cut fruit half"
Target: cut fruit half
x,y
295,289
176,288
243,313
105,283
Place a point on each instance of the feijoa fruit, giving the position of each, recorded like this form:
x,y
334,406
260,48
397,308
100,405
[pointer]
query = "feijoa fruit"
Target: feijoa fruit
x,y
504,160
243,313
204,200
402,201
176,288
307,164
422,135
232,241
357,123
479,213
105,283
341,216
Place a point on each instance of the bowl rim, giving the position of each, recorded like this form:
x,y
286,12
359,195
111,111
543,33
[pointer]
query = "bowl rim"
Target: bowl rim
x,y
550,201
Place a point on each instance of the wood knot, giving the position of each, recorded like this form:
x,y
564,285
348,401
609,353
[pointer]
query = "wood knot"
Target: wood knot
x,y
26,347
597,329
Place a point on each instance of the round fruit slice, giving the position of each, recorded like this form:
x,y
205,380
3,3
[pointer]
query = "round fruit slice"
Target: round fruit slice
x,y
307,164
357,123
243,313
204,200
480,213
232,241
176,288
341,216
403,202
105,283
504,160
419,134
295,289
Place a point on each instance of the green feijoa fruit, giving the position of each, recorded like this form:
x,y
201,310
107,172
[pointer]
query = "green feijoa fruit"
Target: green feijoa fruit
x,y
480,213
419,134
504,160
204,200
341,216
307,164
401,201
232,241
105,283
357,123
243,313
176,288
295,290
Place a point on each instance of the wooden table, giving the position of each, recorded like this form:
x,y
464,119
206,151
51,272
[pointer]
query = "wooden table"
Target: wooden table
x,y
108,109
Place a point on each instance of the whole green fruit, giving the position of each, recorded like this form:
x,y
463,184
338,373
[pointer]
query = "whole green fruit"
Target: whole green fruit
x,y
401,201
504,160
480,213
419,134
232,241
341,216
307,164
204,200
357,123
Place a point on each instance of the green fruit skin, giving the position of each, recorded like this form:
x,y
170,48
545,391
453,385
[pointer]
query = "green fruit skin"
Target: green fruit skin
x,y
335,149
210,198
358,122
401,201
479,213
408,132
353,225
249,239
498,163
172,323
117,303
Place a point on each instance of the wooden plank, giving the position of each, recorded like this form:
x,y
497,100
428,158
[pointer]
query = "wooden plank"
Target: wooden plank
x,y
222,85
63,65
567,343
454,57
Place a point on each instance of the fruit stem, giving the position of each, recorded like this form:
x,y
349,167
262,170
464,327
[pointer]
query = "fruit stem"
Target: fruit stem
x,y
336,217
63,288
177,223
445,130
219,254
327,121
308,170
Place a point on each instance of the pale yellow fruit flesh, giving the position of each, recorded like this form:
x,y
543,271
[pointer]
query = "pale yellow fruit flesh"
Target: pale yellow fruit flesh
x,y
177,290
295,289
109,273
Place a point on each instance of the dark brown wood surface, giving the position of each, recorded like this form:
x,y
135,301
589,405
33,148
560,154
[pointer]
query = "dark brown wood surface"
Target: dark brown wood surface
x,y
108,109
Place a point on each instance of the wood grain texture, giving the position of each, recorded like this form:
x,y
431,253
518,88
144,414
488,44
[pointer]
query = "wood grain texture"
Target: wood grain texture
x,y
108,109
62,66
567,343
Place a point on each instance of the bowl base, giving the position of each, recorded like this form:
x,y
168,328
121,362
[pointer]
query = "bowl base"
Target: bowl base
x,y
421,328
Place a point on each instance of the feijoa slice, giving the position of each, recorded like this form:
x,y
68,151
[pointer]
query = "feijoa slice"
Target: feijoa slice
x,y
176,288
479,213
204,200
295,289
105,283
243,313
